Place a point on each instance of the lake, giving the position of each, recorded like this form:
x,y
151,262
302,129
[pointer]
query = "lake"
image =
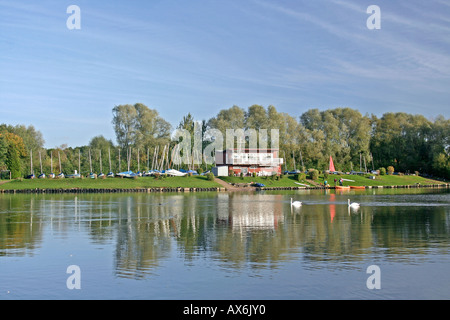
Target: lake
x,y
218,245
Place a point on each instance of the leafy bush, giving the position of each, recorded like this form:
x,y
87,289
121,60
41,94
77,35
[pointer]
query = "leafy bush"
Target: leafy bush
x,y
390,170
313,174
210,176
382,171
300,176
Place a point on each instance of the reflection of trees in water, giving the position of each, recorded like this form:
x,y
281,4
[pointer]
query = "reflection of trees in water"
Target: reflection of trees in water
x,y
237,230
145,226
20,225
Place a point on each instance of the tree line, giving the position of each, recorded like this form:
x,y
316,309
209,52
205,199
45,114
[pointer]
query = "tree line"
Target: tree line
x,y
407,142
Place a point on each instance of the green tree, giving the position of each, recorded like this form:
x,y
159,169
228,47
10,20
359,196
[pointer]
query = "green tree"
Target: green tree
x,y
441,165
15,151
100,147
13,161
232,118
139,127
3,152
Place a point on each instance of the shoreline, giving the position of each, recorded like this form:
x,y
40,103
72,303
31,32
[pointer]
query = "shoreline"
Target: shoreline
x,y
212,189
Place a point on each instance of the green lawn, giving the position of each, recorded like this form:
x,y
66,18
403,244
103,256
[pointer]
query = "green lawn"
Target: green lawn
x,y
111,183
289,181
286,181
202,182
385,180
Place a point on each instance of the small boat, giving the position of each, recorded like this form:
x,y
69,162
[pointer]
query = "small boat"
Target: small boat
x,y
357,187
173,172
60,176
126,174
343,187
75,175
151,173
110,175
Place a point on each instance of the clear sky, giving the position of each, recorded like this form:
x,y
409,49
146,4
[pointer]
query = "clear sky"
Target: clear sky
x,y
201,56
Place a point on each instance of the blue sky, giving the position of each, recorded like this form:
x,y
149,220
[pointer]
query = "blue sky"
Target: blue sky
x,y
201,56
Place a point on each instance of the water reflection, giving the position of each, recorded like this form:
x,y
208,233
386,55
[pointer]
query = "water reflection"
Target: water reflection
x,y
259,230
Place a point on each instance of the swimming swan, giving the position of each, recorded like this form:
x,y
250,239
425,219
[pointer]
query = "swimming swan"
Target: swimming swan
x,y
353,205
296,203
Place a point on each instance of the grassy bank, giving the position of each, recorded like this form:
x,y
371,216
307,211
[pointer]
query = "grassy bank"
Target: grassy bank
x,y
289,181
202,182
286,181
111,183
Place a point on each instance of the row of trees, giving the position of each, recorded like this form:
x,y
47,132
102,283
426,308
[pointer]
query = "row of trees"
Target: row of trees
x,y
405,141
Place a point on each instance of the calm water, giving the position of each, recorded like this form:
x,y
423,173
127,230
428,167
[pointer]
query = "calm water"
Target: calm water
x,y
226,245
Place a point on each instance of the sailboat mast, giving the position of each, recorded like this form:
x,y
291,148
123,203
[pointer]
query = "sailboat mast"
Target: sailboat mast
x,y
129,159
59,157
90,162
360,162
155,158
101,167
293,158
301,159
31,161
40,160
79,161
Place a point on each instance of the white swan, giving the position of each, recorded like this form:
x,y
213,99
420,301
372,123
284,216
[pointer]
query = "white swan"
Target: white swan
x,y
353,204
296,203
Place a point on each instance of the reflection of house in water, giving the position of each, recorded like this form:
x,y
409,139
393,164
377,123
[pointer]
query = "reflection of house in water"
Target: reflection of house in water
x,y
250,211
